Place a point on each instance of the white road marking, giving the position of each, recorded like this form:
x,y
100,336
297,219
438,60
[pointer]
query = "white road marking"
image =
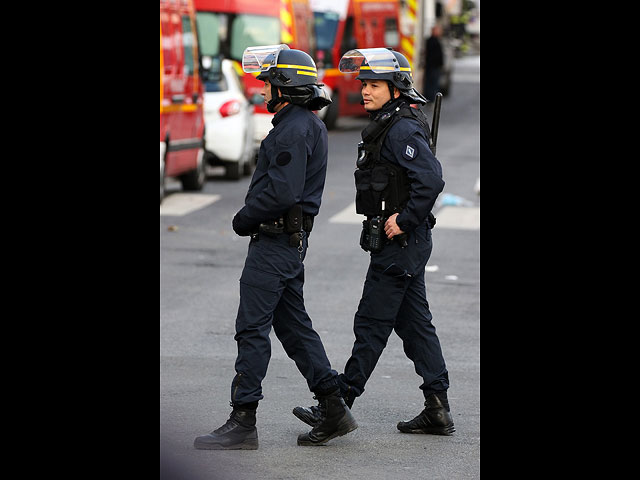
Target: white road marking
x,y
462,218
348,215
179,204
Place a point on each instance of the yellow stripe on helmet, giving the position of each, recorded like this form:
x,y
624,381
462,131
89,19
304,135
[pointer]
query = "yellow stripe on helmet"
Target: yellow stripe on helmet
x,y
402,69
296,66
377,68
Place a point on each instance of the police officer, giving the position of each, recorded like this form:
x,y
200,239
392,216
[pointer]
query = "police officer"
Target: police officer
x,y
283,197
397,182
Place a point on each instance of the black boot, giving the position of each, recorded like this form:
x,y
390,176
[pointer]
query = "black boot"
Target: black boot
x,y
313,415
310,415
336,420
435,418
239,433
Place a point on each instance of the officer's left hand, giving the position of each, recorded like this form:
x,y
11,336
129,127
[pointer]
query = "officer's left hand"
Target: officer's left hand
x,y
242,225
391,228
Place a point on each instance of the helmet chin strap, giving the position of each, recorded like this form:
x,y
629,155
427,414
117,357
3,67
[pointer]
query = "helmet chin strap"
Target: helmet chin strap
x,y
392,92
275,99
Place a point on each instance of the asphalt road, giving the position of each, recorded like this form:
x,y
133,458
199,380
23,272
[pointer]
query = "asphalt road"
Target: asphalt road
x,y
200,263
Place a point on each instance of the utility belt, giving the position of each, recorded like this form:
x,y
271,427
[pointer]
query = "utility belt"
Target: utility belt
x,y
292,223
373,239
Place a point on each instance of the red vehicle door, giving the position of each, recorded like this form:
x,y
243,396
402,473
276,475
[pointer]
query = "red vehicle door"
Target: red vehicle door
x,y
181,90
181,97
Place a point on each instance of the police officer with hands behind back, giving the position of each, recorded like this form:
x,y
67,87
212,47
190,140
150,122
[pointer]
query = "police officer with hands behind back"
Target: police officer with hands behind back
x,y
283,197
398,179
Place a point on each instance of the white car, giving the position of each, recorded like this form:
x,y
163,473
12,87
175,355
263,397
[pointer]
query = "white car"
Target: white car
x,y
262,125
228,117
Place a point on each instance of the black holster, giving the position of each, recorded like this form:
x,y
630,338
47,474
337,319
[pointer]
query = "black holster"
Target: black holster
x,y
272,228
293,222
293,219
372,238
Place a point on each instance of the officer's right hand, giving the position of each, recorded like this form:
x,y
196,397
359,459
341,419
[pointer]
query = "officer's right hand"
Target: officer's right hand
x,y
391,228
242,225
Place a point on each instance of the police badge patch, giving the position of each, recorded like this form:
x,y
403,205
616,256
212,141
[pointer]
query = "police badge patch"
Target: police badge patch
x,y
410,152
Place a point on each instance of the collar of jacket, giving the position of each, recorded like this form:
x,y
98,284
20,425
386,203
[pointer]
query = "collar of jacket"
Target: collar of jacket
x,y
277,118
387,107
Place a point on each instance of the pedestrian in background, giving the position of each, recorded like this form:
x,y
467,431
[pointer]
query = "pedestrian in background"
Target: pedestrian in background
x,y
397,182
283,198
434,61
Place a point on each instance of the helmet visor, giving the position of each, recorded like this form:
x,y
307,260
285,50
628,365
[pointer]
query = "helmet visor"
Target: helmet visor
x,y
378,60
253,57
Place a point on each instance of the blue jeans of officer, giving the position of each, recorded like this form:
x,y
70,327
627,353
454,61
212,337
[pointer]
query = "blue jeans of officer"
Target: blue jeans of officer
x,y
271,294
394,298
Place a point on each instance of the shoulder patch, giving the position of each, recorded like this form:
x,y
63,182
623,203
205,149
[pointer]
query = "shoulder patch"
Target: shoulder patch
x,y
410,151
283,158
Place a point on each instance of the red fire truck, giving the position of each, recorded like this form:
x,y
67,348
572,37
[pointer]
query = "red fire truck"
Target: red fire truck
x,y
227,27
342,25
181,97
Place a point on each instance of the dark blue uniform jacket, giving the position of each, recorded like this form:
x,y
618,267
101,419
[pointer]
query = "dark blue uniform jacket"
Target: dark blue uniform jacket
x,y
291,169
406,145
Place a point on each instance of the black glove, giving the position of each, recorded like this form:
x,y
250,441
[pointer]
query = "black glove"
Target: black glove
x,y
242,225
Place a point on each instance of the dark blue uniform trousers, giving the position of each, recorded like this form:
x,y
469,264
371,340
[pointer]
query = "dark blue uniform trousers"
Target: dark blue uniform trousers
x,y
271,294
394,298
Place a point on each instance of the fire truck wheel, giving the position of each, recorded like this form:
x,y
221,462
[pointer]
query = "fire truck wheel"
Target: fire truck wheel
x,y
195,179
162,181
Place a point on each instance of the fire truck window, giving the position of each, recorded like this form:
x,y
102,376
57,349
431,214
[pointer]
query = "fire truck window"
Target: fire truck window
x,y
208,25
348,40
391,37
187,45
167,45
325,26
249,30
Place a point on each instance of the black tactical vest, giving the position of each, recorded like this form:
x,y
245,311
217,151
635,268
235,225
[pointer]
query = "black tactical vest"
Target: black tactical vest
x,y
377,179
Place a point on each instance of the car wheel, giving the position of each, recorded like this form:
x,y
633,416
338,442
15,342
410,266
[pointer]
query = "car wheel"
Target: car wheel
x,y
248,156
248,165
233,170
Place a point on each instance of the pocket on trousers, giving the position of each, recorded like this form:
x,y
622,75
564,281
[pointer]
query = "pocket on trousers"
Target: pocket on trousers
x,y
259,279
259,296
381,297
